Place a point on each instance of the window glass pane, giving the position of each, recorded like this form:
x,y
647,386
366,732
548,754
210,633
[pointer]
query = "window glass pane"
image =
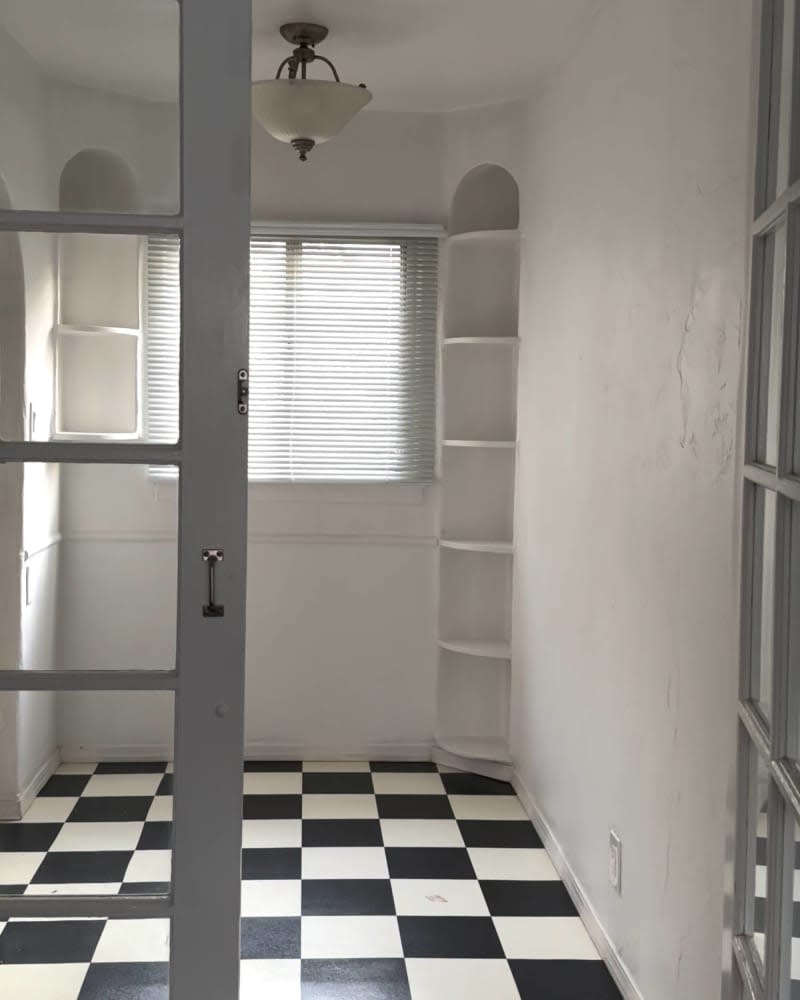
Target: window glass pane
x,y
792,622
94,785
763,599
759,802
96,588
769,294
72,313
89,105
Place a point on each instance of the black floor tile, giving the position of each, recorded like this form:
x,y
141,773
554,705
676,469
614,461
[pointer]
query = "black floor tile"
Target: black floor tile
x,y
65,785
270,937
402,767
144,889
132,767
49,942
528,899
59,867
499,833
155,837
342,833
273,806
27,836
347,897
269,766
126,981
12,890
337,783
271,862
563,980
111,809
414,807
449,937
165,787
429,862
457,783
355,979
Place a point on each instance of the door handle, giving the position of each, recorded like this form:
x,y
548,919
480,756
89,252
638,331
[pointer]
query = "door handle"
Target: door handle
x,y
211,557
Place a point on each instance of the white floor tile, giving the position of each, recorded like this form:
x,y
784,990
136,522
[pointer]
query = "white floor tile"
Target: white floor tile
x,y
340,807
50,810
160,810
337,766
389,783
98,837
42,982
170,768
516,864
439,898
421,833
273,783
461,979
133,941
487,807
123,784
276,979
150,866
272,833
81,767
344,862
350,937
19,867
545,938
271,898
75,889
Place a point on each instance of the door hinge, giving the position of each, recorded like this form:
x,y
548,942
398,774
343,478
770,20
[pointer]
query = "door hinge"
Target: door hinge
x,y
243,381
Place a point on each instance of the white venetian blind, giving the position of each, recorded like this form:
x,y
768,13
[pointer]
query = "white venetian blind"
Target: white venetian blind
x,y
342,356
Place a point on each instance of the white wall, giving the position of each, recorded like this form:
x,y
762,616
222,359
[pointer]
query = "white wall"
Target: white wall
x,y
634,204
341,654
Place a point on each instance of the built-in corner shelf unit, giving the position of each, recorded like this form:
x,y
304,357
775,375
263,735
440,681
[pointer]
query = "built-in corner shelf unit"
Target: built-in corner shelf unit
x,y
479,385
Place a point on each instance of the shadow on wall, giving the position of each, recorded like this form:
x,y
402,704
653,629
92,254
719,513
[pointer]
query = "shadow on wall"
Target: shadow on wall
x,y
486,199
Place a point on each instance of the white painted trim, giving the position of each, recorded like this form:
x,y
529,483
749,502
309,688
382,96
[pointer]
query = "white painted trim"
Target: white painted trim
x,y
392,230
27,554
422,541
257,750
13,809
597,932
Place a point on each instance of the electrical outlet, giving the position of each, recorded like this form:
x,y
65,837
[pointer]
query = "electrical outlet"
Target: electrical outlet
x,y
615,860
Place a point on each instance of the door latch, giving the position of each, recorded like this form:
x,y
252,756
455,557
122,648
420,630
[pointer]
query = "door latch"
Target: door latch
x,y
211,557
243,379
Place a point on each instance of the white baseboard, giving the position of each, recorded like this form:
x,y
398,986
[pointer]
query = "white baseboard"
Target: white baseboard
x,y
258,750
605,946
12,809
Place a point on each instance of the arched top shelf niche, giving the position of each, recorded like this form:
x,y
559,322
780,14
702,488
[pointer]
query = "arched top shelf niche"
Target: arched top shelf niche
x,y
486,200
96,180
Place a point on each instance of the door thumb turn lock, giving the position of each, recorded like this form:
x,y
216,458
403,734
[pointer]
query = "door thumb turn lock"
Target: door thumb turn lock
x,y
211,557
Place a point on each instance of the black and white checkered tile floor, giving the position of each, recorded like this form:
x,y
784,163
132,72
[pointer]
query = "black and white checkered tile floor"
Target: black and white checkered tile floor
x,y
360,882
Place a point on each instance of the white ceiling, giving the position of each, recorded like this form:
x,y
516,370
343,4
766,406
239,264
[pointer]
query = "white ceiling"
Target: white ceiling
x,y
414,55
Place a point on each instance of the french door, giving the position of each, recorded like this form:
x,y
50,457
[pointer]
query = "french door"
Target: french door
x,y
210,219
767,898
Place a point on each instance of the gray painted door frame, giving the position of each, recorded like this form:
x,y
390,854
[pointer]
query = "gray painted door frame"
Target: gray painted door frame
x,y
208,680
768,783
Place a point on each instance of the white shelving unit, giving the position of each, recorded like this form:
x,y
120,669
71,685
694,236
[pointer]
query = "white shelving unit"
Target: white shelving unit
x,y
479,382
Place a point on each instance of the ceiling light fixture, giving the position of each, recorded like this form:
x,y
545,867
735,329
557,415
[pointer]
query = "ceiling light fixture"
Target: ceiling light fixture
x,y
305,112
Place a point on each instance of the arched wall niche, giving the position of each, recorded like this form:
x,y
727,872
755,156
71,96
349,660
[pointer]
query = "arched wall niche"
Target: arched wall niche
x,y
96,180
487,198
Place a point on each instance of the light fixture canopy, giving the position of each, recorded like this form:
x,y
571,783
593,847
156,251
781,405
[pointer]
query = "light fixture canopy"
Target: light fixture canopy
x,y
300,111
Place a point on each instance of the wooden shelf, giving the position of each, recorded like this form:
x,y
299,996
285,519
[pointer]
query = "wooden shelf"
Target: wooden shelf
x,y
496,548
458,443
502,341
472,647
486,236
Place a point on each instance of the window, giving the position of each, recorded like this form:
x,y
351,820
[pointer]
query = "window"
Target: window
x,y
342,356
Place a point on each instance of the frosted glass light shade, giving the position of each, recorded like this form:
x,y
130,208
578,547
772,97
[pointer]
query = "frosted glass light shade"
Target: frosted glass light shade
x,y
307,109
